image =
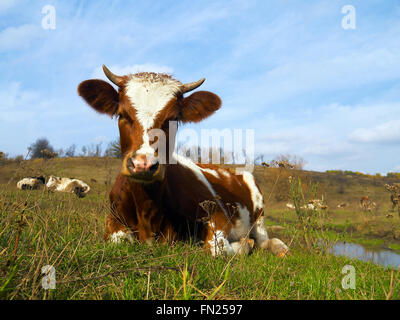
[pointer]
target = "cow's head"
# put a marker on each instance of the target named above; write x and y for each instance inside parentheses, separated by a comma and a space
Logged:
(145, 104)
(53, 182)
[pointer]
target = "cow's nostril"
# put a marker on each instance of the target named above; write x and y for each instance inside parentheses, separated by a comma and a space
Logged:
(154, 167)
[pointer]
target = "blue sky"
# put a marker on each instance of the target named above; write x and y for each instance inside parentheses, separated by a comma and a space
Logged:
(286, 69)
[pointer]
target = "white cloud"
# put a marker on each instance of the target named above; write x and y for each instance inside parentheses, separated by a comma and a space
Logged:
(14, 38)
(326, 136)
(383, 133)
(6, 4)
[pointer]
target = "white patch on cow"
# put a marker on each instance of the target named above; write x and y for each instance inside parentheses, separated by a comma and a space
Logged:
(148, 95)
(219, 244)
(210, 171)
(259, 231)
(186, 162)
(242, 225)
(224, 173)
(256, 195)
(117, 237)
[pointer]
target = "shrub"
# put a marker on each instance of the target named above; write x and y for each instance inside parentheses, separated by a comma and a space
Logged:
(41, 148)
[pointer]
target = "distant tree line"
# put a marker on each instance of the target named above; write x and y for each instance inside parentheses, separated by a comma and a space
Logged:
(42, 148)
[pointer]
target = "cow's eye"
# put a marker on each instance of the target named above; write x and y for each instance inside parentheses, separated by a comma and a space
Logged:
(120, 116)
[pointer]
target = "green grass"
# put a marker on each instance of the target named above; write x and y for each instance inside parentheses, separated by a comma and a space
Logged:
(67, 232)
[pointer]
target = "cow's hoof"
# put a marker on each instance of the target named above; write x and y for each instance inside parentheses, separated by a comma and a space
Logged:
(244, 246)
(150, 241)
(276, 247)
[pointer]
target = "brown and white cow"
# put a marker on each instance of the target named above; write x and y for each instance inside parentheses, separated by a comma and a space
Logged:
(151, 200)
(69, 185)
(31, 183)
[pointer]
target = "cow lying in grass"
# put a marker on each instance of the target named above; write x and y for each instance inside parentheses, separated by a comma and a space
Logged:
(69, 185)
(161, 200)
(31, 183)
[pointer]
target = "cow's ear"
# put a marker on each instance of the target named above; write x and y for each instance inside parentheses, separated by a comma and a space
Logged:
(198, 106)
(100, 95)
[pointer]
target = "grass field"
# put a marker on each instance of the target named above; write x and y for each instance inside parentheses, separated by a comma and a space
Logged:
(38, 228)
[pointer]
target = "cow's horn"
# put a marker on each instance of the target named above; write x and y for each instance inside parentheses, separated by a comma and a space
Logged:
(117, 80)
(192, 85)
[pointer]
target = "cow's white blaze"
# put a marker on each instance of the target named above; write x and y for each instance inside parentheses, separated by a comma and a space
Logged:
(148, 95)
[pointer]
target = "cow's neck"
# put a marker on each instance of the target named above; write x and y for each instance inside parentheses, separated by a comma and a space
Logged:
(154, 192)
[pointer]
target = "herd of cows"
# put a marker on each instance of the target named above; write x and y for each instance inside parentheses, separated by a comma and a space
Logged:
(70, 185)
(80, 188)
(365, 203)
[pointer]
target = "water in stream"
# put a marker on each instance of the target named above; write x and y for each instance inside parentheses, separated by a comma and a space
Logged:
(383, 257)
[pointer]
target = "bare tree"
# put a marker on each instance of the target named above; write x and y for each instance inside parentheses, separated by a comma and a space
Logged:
(84, 151)
(114, 149)
(98, 150)
(70, 152)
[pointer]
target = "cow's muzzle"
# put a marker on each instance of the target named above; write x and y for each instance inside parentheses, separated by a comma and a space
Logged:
(142, 168)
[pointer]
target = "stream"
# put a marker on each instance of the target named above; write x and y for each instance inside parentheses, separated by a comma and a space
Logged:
(383, 257)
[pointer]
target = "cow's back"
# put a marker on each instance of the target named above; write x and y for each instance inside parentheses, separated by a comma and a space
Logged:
(192, 184)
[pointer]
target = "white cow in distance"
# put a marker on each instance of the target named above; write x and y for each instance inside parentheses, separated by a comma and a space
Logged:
(69, 185)
(290, 206)
(307, 206)
(311, 205)
(31, 183)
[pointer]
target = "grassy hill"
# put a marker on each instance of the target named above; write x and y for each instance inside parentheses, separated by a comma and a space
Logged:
(38, 228)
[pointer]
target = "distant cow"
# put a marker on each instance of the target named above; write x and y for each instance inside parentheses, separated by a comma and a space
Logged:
(315, 204)
(290, 206)
(367, 204)
(364, 201)
(31, 183)
(311, 205)
(395, 200)
(69, 185)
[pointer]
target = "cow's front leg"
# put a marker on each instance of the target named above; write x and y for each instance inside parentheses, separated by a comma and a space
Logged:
(216, 233)
(116, 232)
(274, 245)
